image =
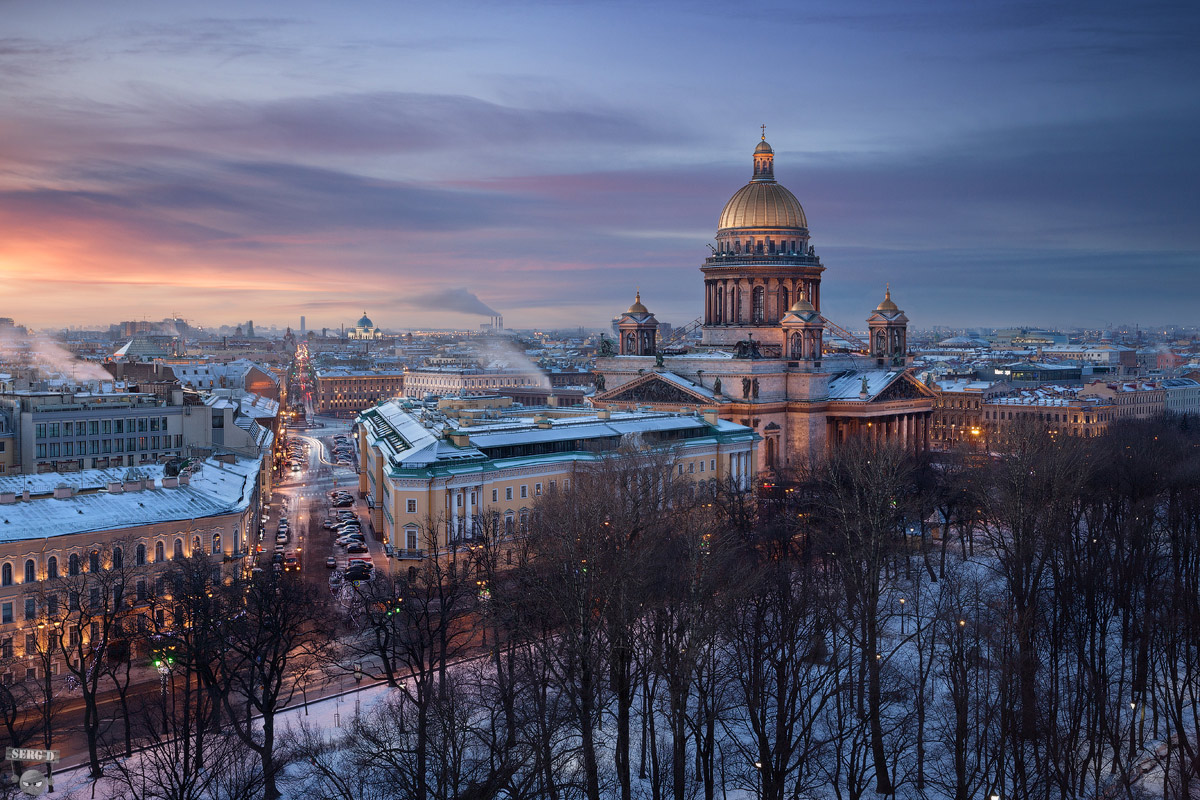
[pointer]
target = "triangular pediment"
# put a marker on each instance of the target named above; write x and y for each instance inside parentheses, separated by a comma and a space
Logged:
(654, 388)
(905, 387)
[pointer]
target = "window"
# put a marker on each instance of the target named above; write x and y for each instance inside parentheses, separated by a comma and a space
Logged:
(537, 489)
(6, 651)
(6, 574)
(52, 568)
(140, 555)
(93, 427)
(508, 493)
(73, 564)
(158, 552)
(702, 465)
(154, 423)
(410, 539)
(178, 549)
(691, 467)
(39, 451)
(94, 447)
(757, 303)
(80, 429)
(39, 430)
(411, 506)
(216, 544)
(495, 495)
(51, 605)
(106, 426)
(94, 597)
(30, 571)
(53, 430)
(94, 561)
(6, 612)
(118, 558)
(120, 426)
(30, 608)
(141, 591)
(524, 490)
(68, 448)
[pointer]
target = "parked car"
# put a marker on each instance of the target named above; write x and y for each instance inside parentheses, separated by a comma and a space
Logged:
(357, 548)
(342, 503)
(281, 538)
(331, 563)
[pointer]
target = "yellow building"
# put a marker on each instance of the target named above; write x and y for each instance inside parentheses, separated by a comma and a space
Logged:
(436, 473)
(56, 526)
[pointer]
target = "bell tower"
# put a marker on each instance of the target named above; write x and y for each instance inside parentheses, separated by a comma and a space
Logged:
(889, 333)
(803, 333)
(638, 330)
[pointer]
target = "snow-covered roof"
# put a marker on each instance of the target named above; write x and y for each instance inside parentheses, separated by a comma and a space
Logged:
(849, 385)
(215, 489)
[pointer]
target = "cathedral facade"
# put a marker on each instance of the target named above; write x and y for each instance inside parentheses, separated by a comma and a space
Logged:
(767, 358)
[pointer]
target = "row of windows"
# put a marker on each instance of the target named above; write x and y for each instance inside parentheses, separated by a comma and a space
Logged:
(75, 564)
(96, 427)
(691, 467)
(106, 446)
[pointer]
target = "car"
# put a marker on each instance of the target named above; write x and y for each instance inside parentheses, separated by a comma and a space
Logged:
(343, 503)
(357, 570)
(349, 530)
(281, 538)
(278, 557)
(349, 541)
(291, 563)
(331, 563)
(357, 548)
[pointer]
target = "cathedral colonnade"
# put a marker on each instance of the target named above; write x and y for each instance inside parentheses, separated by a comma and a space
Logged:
(907, 430)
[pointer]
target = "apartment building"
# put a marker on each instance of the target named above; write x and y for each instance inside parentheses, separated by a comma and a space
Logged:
(58, 526)
(344, 392)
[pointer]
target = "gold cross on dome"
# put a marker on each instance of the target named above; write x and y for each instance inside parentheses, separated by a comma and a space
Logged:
(764, 131)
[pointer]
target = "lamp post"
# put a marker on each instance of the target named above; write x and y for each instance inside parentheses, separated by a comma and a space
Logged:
(901, 616)
(164, 672)
(1132, 732)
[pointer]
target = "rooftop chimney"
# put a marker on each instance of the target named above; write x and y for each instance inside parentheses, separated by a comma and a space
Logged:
(63, 491)
(7, 498)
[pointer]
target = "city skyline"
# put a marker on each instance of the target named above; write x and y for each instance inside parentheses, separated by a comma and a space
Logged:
(1013, 164)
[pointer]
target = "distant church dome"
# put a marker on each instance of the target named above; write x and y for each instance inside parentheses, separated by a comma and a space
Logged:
(365, 321)
(763, 203)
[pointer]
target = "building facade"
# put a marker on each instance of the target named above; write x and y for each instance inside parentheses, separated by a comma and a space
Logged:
(59, 526)
(344, 392)
(958, 412)
(460, 381)
(436, 474)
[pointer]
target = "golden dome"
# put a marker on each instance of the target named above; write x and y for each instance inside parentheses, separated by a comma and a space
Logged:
(637, 307)
(801, 306)
(762, 204)
(887, 304)
(763, 147)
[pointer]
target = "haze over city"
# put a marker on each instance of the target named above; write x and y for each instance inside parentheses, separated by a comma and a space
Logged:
(1001, 163)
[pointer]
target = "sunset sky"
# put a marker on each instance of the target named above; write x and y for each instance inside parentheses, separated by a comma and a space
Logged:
(998, 163)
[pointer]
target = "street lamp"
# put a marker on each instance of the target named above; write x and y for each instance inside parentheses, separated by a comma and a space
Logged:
(901, 616)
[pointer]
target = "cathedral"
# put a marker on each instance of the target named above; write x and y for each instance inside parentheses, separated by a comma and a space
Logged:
(766, 357)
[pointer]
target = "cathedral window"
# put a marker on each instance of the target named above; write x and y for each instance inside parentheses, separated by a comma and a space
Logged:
(758, 297)
(784, 305)
(720, 303)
